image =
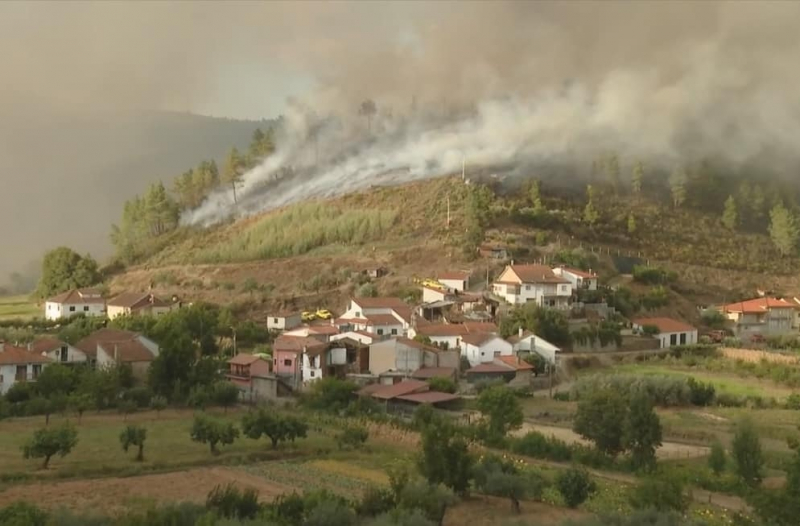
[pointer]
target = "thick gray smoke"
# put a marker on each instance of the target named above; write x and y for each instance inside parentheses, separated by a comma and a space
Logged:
(537, 83)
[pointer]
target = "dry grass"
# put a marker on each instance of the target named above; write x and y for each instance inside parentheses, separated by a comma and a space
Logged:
(18, 307)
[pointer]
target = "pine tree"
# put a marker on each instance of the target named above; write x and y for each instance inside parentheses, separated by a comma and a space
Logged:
(536, 197)
(631, 223)
(783, 229)
(637, 177)
(590, 213)
(677, 185)
(612, 171)
(730, 217)
(234, 166)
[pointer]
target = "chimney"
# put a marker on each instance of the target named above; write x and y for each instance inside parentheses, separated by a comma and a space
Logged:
(151, 299)
(520, 331)
(30, 346)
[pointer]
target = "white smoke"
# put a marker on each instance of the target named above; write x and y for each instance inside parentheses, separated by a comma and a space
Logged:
(709, 109)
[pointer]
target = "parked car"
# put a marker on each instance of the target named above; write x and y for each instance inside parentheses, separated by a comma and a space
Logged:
(308, 316)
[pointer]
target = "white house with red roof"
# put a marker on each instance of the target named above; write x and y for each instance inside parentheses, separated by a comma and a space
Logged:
(580, 279)
(450, 334)
(484, 347)
(670, 332)
(384, 317)
(89, 302)
(768, 316)
(457, 280)
(19, 365)
(520, 284)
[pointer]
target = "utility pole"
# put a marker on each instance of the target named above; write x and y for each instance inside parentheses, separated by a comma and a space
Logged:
(448, 211)
(463, 167)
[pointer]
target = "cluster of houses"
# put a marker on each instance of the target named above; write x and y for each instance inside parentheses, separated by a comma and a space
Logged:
(91, 303)
(102, 348)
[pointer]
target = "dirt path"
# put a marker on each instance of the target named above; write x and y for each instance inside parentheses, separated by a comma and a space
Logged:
(113, 494)
(668, 450)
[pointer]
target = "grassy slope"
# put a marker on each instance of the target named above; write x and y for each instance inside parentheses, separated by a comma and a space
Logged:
(16, 307)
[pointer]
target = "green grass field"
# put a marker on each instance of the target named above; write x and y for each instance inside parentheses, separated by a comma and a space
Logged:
(168, 445)
(18, 307)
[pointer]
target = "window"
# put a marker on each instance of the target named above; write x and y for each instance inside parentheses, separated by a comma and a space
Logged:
(683, 338)
(483, 353)
(86, 308)
(394, 331)
(63, 354)
(1, 378)
(673, 339)
(527, 287)
(287, 363)
(311, 373)
(358, 314)
(380, 332)
(274, 320)
(72, 308)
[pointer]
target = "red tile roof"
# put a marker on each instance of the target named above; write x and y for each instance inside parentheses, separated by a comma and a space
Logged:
(404, 313)
(323, 329)
(128, 351)
(578, 272)
(296, 344)
(758, 305)
(536, 274)
(665, 324)
(489, 368)
(45, 345)
(399, 389)
(136, 300)
(430, 397)
(79, 296)
(433, 372)
(457, 275)
(10, 355)
(380, 303)
(370, 389)
(517, 363)
(351, 321)
(243, 359)
(105, 336)
(516, 338)
(416, 345)
(478, 339)
(383, 319)
(456, 329)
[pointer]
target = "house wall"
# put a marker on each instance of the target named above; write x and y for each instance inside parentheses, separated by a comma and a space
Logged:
(542, 347)
(103, 358)
(260, 367)
(454, 284)
(407, 358)
(115, 311)
(55, 311)
(486, 352)
(286, 363)
(312, 368)
(430, 295)
(150, 344)
(666, 339)
(453, 342)
(450, 358)
(263, 388)
(9, 373)
(386, 330)
(353, 336)
(140, 369)
(283, 323)
(382, 356)
(74, 355)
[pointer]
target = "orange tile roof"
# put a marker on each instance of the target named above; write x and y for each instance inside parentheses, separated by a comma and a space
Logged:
(536, 274)
(478, 338)
(454, 276)
(416, 345)
(10, 355)
(243, 359)
(580, 273)
(429, 397)
(515, 362)
(45, 345)
(405, 387)
(129, 351)
(383, 319)
(79, 296)
(105, 336)
(489, 368)
(296, 343)
(456, 329)
(136, 300)
(758, 305)
(665, 324)
(380, 303)
(433, 372)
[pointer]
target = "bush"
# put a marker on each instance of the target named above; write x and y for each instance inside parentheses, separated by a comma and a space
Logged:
(575, 485)
(367, 290)
(141, 396)
(376, 501)
(330, 395)
(352, 437)
(663, 390)
(653, 275)
(700, 394)
(661, 493)
(537, 445)
(443, 385)
(230, 502)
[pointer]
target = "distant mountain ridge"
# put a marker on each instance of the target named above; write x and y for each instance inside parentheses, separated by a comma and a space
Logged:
(65, 173)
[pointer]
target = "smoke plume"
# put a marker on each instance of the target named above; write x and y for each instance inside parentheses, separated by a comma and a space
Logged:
(527, 84)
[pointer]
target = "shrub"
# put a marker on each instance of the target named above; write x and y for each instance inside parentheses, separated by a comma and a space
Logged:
(139, 395)
(663, 390)
(367, 290)
(700, 394)
(376, 501)
(661, 493)
(230, 502)
(444, 385)
(352, 437)
(575, 485)
(537, 445)
(23, 514)
(653, 275)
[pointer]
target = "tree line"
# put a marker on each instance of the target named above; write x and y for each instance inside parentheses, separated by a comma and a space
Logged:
(148, 218)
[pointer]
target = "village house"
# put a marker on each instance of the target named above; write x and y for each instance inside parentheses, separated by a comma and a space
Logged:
(283, 321)
(449, 335)
(458, 281)
(670, 332)
(579, 279)
(57, 351)
(525, 342)
(767, 316)
(406, 395)
(110, 347)
(380, 316)
(138, 304)
(323, 333)
(252, 375)
(511, 369)
(367, 338)
(484, 347)
(405, 356)
(88, 302)
(19, 365)
(287, 356)
(429, 373)
(538, 284)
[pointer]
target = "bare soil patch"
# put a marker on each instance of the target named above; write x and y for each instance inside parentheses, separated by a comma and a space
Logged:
(115, 494)
(482, 510)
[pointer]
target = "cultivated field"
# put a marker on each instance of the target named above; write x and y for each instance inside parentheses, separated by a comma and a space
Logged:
(18, 307)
